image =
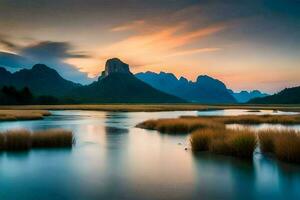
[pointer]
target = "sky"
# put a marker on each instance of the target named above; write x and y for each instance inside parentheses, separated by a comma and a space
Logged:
(247, 44)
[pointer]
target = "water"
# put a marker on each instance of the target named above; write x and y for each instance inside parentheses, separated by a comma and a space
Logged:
(114, 160)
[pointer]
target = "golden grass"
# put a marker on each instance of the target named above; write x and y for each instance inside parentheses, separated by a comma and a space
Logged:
(152, 107)
(180, 125)
(20, 140)
(188, 124)
(52, 138)
(237, 143)
(266, 140)
(10, 115)
(287, 146)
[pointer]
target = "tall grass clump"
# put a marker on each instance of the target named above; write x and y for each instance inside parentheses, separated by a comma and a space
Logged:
(237, 143)
(287, 146)
(266, 140)
(2, 141)
(17, 140)
(20, 140)
(241, 142)
(52, 138)
(202, 138)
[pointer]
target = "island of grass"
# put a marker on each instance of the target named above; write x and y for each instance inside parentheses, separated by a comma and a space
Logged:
(210, 134)
(22, 140)
(13, 114)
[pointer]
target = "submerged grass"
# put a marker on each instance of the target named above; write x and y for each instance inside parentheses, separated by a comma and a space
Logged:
(20, 140)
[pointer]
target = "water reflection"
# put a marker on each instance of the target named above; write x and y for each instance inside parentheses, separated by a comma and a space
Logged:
(114, 160)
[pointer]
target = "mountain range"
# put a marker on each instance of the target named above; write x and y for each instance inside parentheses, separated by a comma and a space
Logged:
(286, 96)
(117, 84)
(245, 96)
(204, 90)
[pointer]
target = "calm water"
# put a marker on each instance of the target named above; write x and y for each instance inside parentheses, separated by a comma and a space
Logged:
(114, 160)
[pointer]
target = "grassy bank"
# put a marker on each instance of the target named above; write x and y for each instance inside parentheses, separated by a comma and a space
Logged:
(153, 107)
(20, 140)
(188, 124)
(10, 115)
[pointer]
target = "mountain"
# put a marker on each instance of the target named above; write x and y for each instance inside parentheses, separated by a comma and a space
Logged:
(204, 90)
(286, 96)
(41, 80)
(245, 96)
(118, 85)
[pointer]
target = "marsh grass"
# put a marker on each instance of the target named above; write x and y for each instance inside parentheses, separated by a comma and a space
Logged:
(17, 140)
(21, 140)
(52, 138)
(266, 140)
(180, 125)
(287, 146)
(237, 143)
(11, 115)
(187, 124)
(241, 143)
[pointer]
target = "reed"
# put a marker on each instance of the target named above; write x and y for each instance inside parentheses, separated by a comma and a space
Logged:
(238, 143)
(17, 140)
(52, 138)
(241, 142)
(266, 140)
(187, 124)
(20, 140)
(201, 139)
(179, 125)
(287, 146)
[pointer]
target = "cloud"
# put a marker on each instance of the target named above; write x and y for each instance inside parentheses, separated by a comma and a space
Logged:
(150, 44)
(51, 50)
(128, 26)
(6, 43)
(50, 53)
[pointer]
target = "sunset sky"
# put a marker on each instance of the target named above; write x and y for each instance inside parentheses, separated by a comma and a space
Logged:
(253, 44)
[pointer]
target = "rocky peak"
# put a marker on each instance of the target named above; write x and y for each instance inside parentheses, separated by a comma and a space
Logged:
(115, 65)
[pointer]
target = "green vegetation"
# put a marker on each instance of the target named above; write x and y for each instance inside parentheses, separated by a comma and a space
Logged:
(11, 115)
(20, 140)
(286, 96)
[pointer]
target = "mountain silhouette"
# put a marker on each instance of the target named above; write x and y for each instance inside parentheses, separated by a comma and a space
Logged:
(245, 96)
(204, 90)
(41, 80)
(286, 96)
(118, 85)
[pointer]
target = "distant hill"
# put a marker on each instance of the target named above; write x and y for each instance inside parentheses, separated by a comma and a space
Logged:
(286, 96)
(204, 90)
(245, 96)
(118, 85)
(41, 80)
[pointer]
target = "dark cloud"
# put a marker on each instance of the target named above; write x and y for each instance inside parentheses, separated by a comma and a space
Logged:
(7, 43)
(50, 53)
